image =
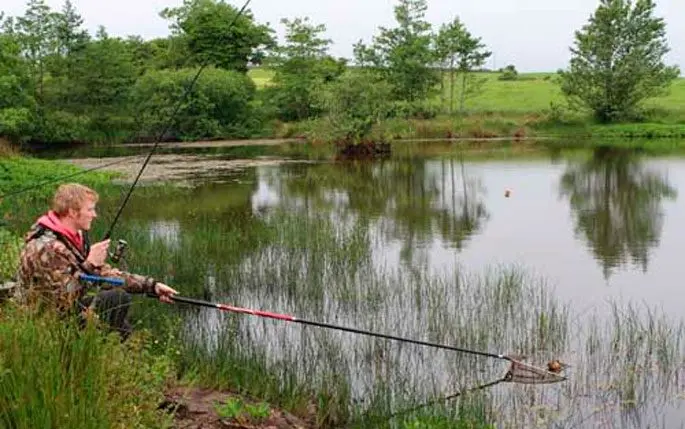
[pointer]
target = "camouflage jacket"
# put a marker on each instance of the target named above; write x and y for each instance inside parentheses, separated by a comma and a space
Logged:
(50, 266)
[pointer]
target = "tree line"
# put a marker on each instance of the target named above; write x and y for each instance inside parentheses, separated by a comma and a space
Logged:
(58, 83)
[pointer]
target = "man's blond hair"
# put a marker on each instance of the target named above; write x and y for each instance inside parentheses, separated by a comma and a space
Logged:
(72, 196)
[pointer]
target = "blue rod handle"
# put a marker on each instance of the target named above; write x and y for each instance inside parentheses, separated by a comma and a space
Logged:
(97, 279)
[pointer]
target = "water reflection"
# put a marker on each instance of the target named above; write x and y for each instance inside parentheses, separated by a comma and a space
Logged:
(616, 203)
(411, 201)
(169, 232)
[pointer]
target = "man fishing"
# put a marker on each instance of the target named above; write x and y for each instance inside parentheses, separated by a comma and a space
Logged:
(57, 252)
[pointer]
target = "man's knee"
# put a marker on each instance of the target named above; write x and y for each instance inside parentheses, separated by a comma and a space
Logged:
(112, 307)
(115, 299)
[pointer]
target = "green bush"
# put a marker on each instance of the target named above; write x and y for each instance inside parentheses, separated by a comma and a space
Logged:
(16, 123)
(415, 109)
(61, 126)
(219, 105)
(509, 73)
(355, 103)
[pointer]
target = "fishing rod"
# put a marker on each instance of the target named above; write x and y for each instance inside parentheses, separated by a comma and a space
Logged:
(289, 318)
(172, 118)
(378, 419)
(518, 372)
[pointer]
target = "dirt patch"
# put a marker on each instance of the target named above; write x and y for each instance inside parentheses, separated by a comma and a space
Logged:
(197, 408)
(7, 149)
(175, 167)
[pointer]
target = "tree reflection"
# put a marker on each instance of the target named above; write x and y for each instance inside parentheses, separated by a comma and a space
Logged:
(617, 206)
(412, 200)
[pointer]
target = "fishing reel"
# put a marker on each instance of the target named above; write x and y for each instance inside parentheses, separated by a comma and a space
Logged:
(119, 252)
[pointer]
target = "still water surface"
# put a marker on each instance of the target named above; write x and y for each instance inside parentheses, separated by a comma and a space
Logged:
(594, 229)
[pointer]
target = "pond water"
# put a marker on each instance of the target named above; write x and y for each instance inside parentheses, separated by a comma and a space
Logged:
(595, 230)
(393, 246)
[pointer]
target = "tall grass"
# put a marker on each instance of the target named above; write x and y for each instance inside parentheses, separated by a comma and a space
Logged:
(54, 375)
(323, 266)
(11, 246)
(320, 269)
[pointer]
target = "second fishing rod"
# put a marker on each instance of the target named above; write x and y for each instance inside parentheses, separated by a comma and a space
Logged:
(122, 244)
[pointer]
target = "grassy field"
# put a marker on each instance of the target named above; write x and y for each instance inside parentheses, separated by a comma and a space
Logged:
(531, 93)
(531, 106)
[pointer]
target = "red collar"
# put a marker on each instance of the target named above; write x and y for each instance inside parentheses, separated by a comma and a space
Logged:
(54, 223)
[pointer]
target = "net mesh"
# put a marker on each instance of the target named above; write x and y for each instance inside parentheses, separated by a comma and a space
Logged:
(520, 372)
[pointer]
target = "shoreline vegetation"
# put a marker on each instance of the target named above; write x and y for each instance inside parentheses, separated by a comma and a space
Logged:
(522, 110)
(211, 80)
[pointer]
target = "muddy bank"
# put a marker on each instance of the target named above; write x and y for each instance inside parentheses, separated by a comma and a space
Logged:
(276, 142)
(180, 168)
(214, 143)
(199, 409)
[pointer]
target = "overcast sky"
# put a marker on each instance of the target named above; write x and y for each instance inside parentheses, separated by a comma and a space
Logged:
(534, 35)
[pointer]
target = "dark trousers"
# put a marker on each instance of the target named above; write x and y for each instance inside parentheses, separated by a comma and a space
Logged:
(112, 307)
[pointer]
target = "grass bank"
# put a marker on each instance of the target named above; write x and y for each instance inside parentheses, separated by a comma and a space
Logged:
(496, 125)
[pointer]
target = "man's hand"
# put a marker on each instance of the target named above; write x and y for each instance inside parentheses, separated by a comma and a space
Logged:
(164, 292)
(98, 253)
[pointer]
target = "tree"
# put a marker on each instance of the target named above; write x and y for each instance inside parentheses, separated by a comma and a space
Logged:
(472, 56)
(206, 25)
(446, 45)
(69, 35)
(16, 104)
(13, 72)
(462, 53)
(403, 54)
(102, 88)
(36, 36)
(355, 102)
(70, 42)
(303, 67)
(161, 53)
(617, 60)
